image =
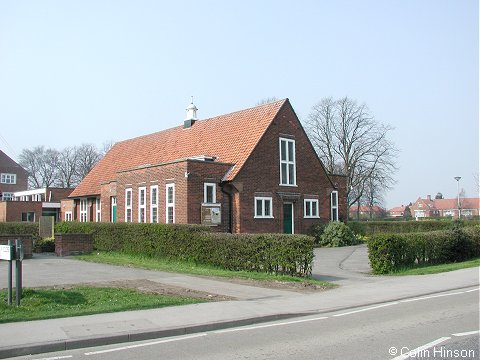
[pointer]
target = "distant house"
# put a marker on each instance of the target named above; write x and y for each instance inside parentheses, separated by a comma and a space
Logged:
(367, 212)
(30, 205)
(12, 177)
(398, 212)
(253, 170)
(445, 207)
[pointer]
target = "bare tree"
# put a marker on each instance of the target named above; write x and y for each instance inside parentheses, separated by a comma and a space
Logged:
(349, 141)
(67, 169)
(267, 100)
(106, 146)
(374, 190)
(49, 165)
(30, 161)
(42, 166)
(88, 156)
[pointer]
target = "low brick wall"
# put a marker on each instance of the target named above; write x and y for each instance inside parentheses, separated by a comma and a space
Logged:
(27, 243)
(73, 244)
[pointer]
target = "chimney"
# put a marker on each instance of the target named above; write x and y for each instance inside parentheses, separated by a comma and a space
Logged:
(429, 197)
(191, 115)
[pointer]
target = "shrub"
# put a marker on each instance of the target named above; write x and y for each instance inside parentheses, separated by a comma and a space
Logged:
(19, 228)
(390, 252)
(396, 227)
(338, 234)
(317, 231)
(46, 245)
(275, 253)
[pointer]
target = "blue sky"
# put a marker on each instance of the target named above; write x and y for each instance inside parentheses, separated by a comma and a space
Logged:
(96, 71)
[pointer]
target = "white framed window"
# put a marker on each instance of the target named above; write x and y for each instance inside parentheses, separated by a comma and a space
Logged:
(68, 216)
(209, 193)
(98, 210)
(7, 196)
(154, 204)
(310, 208)
(334, 205)
(83, 210)
(287, 162)
(170, 204)
(263, 207)
(128, 205)
(8, 178)
(142, 204)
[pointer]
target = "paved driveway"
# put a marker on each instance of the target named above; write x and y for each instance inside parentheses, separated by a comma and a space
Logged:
(50, 270)
(343, 265)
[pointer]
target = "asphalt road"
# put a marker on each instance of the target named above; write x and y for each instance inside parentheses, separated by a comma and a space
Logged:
(429, 327)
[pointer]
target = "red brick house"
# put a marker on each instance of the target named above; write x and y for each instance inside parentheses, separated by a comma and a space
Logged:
(12, 177)
(367, 212)
(253, 170)
(445, 207)
(398, 212)
(30, 205)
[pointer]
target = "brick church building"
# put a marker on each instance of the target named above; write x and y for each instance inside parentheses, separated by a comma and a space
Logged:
(249, 171)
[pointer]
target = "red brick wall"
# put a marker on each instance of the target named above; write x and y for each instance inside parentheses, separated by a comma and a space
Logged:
(108, 191)
(12, 210)
(27, 243)
(57, 194)
(73, 244)
(260, 176)
(67, 205)
(8, 166)
(199, 173)
(340, 182)
(155, 175)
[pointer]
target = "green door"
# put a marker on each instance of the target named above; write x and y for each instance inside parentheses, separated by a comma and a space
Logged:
(288, 218)
(114, 209)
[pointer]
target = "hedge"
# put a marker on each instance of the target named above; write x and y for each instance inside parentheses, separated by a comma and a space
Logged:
(273, 253)
(400, 227)
(19, 228)
(391, 252)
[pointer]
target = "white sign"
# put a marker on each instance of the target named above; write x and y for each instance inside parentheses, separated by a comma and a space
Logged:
(5, 252)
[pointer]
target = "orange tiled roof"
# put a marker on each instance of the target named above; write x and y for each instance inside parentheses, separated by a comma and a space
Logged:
(449, 204)
(230, 138)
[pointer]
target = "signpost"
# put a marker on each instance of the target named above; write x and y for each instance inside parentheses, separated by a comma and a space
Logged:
(12, 252)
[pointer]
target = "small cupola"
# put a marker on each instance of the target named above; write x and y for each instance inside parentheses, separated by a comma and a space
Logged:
(191, 115)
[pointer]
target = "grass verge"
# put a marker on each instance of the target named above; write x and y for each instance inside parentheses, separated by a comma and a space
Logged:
(56, 303)
(184, 267)
(435, 269)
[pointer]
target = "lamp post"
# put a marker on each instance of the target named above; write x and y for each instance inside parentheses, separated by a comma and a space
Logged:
(458, 195)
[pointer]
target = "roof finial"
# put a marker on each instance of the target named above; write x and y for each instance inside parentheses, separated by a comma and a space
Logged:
(191, 115)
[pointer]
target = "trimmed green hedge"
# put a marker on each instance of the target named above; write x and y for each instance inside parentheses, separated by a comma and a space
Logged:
(274, 253)
(19, 228)
(391, 252)
(400, 227)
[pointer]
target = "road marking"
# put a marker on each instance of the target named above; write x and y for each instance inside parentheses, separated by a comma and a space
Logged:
(468, 291)
(188, 337)
(270, 325)
(432, 297)
(367, 309)
(467, 333)
(420, 349)
(57, 357)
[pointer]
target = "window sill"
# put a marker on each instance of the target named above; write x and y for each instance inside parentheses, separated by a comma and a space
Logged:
(263, 217)
(288, 185)
(311, 217)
